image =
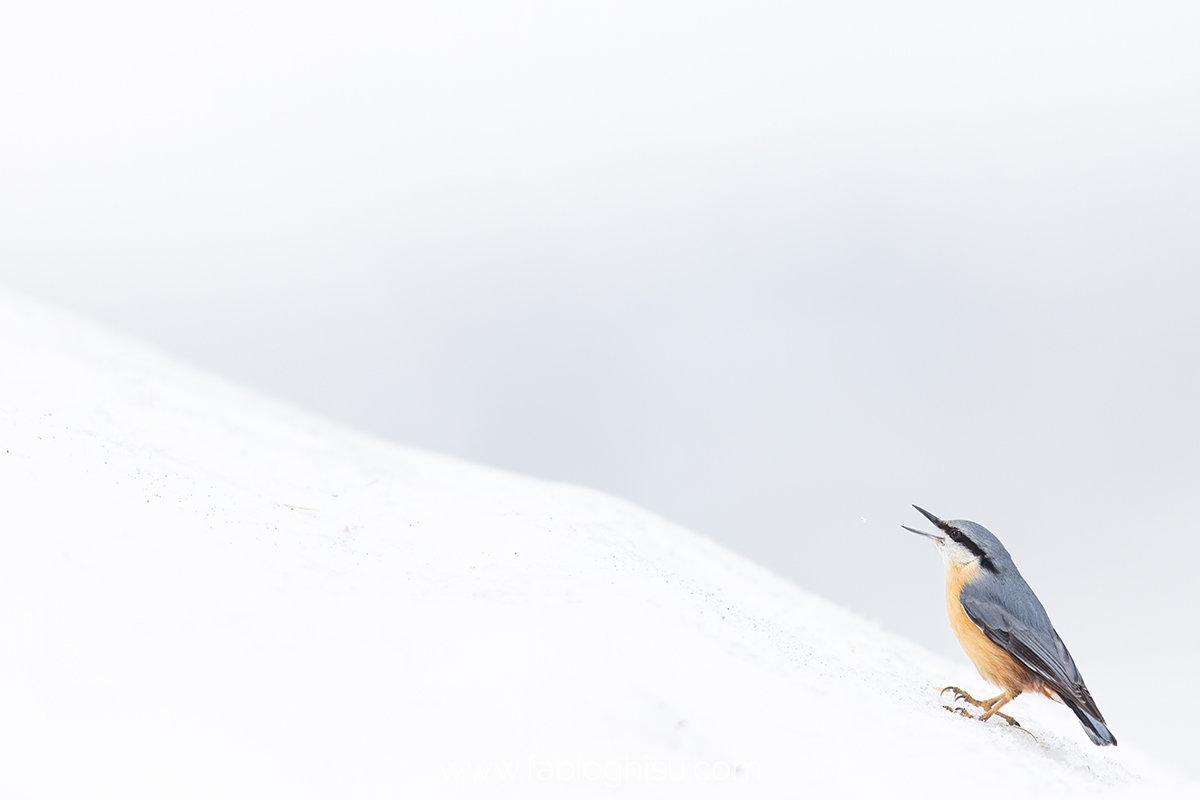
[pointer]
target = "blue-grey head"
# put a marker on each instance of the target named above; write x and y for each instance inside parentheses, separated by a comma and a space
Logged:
(964, 542)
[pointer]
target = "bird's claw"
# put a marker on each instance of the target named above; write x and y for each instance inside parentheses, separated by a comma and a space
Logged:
(959, 694)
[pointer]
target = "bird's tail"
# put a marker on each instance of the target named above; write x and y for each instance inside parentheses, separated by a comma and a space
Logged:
(1096, 730)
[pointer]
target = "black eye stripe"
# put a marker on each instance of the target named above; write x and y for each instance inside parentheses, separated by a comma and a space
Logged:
(976, 550)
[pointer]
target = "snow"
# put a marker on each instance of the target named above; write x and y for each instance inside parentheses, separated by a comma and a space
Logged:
(205, 593)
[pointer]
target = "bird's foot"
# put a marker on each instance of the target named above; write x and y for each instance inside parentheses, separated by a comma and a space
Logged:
(990, 709)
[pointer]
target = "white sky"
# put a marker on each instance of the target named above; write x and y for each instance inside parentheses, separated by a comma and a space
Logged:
(772, 270)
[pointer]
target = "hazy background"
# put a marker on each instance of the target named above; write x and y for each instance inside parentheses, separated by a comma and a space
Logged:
(774, 270)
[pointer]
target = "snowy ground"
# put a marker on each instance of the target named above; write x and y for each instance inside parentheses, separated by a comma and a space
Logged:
(207, 594)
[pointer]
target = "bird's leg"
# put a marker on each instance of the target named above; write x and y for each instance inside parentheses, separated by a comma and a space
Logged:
(992, 707)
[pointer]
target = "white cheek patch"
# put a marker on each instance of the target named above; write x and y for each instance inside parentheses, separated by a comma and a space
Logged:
(955, 553)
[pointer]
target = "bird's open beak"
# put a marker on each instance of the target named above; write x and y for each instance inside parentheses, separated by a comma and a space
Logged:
(931, 518)
(938, 539)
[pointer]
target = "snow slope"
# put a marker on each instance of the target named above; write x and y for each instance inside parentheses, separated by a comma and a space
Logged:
(205, 593)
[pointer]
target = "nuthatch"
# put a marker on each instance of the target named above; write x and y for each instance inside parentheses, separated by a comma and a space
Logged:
(1003, 628)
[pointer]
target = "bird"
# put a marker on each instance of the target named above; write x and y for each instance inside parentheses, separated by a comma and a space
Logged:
(1004, 629)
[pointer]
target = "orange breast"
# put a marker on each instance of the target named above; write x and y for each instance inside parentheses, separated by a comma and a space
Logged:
(995, 665)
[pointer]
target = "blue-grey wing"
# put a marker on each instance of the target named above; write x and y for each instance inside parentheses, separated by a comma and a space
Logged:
(1017, 623)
